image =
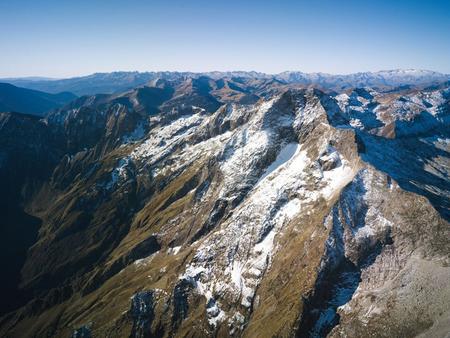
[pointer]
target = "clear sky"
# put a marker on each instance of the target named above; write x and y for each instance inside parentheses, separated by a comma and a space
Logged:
(61, 38)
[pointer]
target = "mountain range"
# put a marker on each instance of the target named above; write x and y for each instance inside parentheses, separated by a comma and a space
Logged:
(234, 204)
(115, 82)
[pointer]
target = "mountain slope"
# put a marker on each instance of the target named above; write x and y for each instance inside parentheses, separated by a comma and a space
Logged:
(29, 101)
(173, 210)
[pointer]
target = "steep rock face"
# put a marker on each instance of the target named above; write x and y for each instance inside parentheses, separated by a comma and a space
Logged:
(374, 243)
(393, 297)
(270, 218)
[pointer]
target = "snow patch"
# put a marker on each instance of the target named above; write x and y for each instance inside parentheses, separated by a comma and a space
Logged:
(287, 153)
(337, 178)
(174, 250)
(119, 173)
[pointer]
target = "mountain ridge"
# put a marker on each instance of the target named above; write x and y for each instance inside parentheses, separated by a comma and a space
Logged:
(122, 80)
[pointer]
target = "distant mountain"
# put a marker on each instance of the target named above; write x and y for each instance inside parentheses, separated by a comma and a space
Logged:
(29, 78)
(115, 82)
(98, 83)
(30, 101)
(381, 79)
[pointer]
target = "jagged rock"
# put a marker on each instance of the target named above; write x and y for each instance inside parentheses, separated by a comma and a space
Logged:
(142, 313)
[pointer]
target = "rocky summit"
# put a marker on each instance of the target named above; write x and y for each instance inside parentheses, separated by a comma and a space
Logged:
(225, 205)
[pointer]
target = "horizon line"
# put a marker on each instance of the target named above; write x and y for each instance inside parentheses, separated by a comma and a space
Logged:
(51, 78)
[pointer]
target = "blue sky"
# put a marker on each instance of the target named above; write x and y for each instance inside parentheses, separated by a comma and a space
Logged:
(68, 38)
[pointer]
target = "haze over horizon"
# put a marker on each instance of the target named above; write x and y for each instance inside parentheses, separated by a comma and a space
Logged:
(38, 77)
(63, 39)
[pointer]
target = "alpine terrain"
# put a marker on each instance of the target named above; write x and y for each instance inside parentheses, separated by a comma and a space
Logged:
(229, 205)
